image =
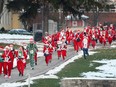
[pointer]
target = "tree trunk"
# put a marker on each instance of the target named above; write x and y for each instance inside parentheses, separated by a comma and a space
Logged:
(1, 6)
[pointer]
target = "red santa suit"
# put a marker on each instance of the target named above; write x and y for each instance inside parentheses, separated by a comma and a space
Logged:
(59, 48)
(78, 41)
(100, 39)
(93, 41)
(21, 61)
(70, 36)
(51, 52)
(63, 50)
(75, 44)
(110, 38)
(12, 55)
(7, 64)
(46, 52)
(104, 40)
(1, 63)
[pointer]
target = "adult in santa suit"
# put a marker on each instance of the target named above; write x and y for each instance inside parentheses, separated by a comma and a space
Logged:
(46, 37)
(51, 52)
(46, 52)
(104, 40)
(110, 38)
(78, 40)
(63, 49)
(31, 49)
(1, 64)
(93, 41)
(12, 53)
(70, 37)
(1, 61)
(21, 60)
(75, 44)
(85, 46)
(7, 64)
(59, 48)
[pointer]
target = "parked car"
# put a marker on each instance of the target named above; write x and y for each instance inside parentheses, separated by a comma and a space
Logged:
(19, 31)
(38, 35)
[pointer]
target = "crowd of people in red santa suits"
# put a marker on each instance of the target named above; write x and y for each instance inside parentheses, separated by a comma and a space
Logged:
(59, 41)
(8, 55)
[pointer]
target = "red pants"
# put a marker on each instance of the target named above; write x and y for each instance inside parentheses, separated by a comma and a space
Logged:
(93, 43)
(47, 58)
(7, 66)
(35, 57)
(63, 52)
(12, 61)
(59, 53)
(20, 66)
(79, 45)
(75, 45)
(1, 66)
(50, 57)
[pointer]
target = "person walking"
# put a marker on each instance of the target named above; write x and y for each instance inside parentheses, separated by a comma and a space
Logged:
(31, 50)
(85, 46)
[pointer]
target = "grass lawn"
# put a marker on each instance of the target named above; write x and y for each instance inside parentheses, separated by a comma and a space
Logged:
(76, 68)
(46, 83)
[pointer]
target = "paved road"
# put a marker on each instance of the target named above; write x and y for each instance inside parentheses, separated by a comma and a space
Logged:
(41, 68)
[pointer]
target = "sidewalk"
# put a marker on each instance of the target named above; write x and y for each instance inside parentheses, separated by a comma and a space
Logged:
(41, 68)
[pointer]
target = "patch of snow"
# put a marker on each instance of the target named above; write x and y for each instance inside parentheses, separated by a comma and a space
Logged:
(60, 67)
(108, 69)
(19, 84)
(113, 46)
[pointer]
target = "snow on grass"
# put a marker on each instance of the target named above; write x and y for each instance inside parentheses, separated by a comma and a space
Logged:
(113, 46)
(59, 68)
(107, 70)
(26, 82)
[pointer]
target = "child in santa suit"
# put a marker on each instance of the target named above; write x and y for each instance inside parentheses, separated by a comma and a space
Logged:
(7, 64)
(46, 52)
(63, 49)
(21, 60)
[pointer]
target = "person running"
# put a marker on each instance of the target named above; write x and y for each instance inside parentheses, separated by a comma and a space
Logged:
(32, 49)
(7, 64)
(12, 54)
(21, 60)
